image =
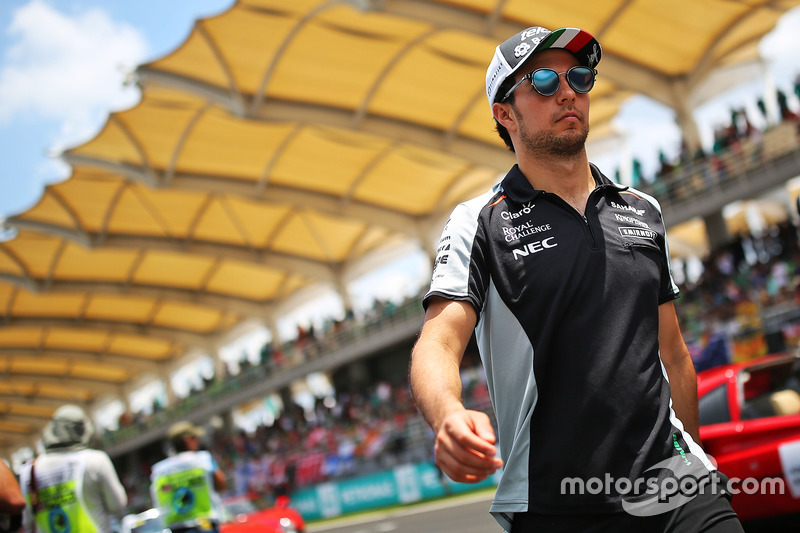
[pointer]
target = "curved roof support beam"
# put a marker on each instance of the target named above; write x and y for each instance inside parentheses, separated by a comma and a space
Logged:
(635, 78)
(220, 302)
(26, 279)
(323, 245)
(357, 242)
(180, 337)
(707, 63)
(361, 112)
(495, 16)
(323, 203)
(96, 386)
(158, 305)
(20, 282)
(135, 264)
(208, 276)
(235, 94)
(279, 261)
(41, 401)
(74, 235)
(612, 19)
(53, 264)
(371, 164)
(206, 91)
(155, 213)
(440, 204)
(169, 173)
(149, 173)
(123, 169)
(112, 207)
(237, 223)
(230, 304)
(55, 195)
(446, 16)
(258, 97)
(198, 216)
(74, 356)
(263, 181)
(452, 133)
(31, 418)
(386, 127)
(10, 307)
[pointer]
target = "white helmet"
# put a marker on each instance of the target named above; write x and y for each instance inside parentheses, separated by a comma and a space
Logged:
(69, 427)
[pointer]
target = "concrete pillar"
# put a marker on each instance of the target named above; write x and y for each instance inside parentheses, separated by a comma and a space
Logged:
(123, 395)
(227, 422)
(220, 368)
(166, 379)
(716, 230)
(344, 294)
(690, 133)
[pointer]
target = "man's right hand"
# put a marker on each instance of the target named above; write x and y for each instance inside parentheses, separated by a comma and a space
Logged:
(465, 449)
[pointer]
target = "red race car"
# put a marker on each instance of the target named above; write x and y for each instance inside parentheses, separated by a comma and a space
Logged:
(750, 424)
(242, 516)
(246, 517)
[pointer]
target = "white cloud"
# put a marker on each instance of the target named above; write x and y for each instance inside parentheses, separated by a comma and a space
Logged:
(780, 47)
(68, 68)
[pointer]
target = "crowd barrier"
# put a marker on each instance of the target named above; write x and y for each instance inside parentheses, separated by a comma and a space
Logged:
(401, 485)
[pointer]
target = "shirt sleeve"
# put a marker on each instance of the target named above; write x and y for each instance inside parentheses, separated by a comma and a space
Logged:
(460, 271)
(113, 493)
(24, 484)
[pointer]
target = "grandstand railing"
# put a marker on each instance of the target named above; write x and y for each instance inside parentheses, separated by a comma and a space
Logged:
(331, 351)
(696, 189)
(746, 170)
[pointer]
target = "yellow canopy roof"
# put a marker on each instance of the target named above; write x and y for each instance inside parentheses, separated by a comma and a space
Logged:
(284, 145)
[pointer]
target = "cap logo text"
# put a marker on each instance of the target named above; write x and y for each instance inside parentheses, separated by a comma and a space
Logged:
(521, 49)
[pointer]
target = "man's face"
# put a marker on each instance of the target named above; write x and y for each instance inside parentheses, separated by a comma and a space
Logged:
(192, 442)
(555, 125)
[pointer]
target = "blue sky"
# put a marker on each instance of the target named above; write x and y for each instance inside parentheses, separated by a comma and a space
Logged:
(63, 66)
(64, 63)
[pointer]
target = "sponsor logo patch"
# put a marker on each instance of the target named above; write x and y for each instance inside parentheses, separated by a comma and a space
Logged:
(534, 247)
(641, 233)
(625, 207)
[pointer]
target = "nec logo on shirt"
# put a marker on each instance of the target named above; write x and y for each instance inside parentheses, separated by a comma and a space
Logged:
(534, 247)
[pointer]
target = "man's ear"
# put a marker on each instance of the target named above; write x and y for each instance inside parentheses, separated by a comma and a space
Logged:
(502, 113)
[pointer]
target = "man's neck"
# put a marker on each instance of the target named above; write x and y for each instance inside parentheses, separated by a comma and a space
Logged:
(570, 178)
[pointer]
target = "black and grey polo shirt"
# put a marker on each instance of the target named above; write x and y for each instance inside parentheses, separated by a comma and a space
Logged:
(567, 330)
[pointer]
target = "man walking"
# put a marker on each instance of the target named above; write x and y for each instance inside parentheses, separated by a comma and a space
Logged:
(564, 277)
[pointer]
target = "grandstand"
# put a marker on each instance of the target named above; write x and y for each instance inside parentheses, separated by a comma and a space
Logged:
(236, 186)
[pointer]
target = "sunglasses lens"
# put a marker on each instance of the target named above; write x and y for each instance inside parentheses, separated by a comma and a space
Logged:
(581, 79)
(545, 81)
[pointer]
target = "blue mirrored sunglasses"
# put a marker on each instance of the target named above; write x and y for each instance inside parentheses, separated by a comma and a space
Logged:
(546, 80)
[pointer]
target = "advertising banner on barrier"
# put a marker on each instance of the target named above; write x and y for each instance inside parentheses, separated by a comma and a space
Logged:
(404, 484)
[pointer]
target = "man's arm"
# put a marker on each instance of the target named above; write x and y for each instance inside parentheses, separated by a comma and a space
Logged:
(113, 493)
(680, 369)
(220, 480)
(11, 500)
(465, 439)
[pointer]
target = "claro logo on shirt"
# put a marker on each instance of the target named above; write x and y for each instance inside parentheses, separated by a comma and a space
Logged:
(526, 210)
(534, 247)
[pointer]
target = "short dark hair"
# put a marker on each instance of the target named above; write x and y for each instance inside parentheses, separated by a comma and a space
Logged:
(499, 128)
(178, 442)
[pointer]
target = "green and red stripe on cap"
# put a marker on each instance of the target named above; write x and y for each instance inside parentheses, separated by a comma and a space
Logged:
(572, 39)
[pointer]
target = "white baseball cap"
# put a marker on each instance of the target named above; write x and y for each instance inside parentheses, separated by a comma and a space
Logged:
(512, 54)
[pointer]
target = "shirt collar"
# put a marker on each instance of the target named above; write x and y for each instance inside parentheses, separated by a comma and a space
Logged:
(519, 189)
